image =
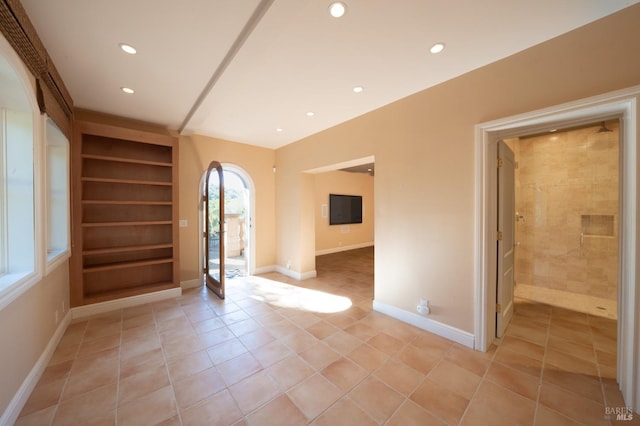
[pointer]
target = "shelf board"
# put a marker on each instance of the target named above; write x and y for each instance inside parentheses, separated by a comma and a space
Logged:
(125, 160)
(123, 265)
(132, 223)
(128, 203)
(127, 292)
(127, 181)
(127, 249)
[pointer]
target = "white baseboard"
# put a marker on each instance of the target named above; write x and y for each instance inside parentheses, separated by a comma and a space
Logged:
(191, 283)
(264, 269)
(125, 302)
(343, 248)
(21, 397)
(432, 326)
(300, 276)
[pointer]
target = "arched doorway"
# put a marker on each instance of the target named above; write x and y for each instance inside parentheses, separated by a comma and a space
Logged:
(238, 238)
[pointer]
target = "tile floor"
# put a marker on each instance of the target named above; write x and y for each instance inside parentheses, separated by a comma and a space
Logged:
(275, 354)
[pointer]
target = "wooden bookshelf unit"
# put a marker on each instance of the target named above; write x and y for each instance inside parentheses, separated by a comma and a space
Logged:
(125, 213)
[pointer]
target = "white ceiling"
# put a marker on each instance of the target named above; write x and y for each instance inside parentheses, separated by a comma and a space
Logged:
(295, 57)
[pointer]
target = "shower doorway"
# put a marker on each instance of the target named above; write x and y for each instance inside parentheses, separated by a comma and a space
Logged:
(567, 218)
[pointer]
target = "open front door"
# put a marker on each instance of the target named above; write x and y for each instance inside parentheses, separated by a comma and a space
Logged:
(214, 229)
(506, 237)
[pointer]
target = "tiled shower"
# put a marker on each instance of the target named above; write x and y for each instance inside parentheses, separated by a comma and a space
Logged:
(567, 202)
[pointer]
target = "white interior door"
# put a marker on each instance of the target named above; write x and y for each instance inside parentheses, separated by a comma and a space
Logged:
(505, 237)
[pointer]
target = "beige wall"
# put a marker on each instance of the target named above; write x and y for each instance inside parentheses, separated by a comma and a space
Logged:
(26, 326)
(562, 180)
(334, 238)
(195, 153)
(425, 169)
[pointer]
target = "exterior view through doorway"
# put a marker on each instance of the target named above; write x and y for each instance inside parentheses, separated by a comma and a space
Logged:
(226, 225)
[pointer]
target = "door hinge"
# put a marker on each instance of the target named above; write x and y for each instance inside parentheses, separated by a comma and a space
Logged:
(498, 308)
(499, 236)
(204, 234)
(204, 198)
(499, 162)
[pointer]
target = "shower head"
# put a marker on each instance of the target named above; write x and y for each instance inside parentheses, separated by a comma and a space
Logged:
(603, 129)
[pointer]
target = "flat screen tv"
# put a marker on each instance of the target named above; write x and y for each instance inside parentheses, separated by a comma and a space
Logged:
(345, 209)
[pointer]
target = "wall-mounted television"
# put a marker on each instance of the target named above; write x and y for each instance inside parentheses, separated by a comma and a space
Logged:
(345, 209)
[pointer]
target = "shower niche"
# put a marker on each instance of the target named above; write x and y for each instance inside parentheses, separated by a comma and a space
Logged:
(598, 225)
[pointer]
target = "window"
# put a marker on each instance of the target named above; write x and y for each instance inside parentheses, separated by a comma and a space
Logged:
(57, 195)
(17, 213)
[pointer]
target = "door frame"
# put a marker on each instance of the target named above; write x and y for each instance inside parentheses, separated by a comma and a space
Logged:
(622, 104)
(251, 265)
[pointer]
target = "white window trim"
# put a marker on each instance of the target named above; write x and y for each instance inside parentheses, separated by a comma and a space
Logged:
(12, 286)
(55, 258)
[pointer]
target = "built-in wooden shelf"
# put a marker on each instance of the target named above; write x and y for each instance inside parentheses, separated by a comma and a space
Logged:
(125, 213)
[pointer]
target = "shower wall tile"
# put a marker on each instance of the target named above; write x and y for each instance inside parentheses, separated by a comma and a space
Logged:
(561, 177)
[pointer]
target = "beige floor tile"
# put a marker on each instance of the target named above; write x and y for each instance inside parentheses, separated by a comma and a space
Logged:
(44, 395)
(344, 412)
(254, 391)
(570, 363)
(314, 395)
(369, 363)
(256, 338)
(584, 385)
(226, 351)
(271, 353)
(299, 341)
(319, 356)
(516, 381)
(454, 378)
(582, 351)
(321, 329)
(368, 357)
(92, 372)
(193, 389)
(218, 409)
(37, 418)
(399, 376)
(411, 414)
(238, 368)
(548, 417)
(134, 364)
(344, 373)
(343, 342)
(474, 361)
(500, 405)
(385, 343)
(524, 347)
(152, 408)
(279, 412)
(442, 403)
(377, 399)
(86, 407)
(577, 408)
(417, 359)
(519, 362)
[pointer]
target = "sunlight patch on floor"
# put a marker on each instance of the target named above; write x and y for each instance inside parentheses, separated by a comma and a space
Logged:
(288, 296)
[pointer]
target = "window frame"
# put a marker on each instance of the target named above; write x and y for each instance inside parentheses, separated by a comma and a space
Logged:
(54, 138)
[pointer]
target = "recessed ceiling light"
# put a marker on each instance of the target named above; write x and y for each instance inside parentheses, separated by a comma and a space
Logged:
(128, 90)
(437, 48)
(128, 48)
(311, 114)
(358, 89)
(553, 130)
(278, 129)
(337, 9)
